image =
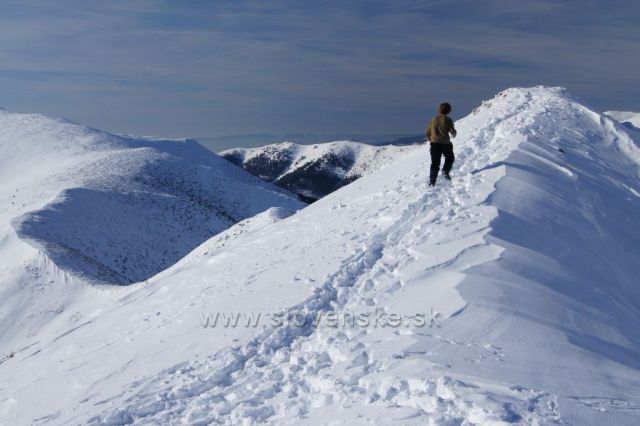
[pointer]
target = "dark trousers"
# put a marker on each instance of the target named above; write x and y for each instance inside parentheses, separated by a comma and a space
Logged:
(437, 151)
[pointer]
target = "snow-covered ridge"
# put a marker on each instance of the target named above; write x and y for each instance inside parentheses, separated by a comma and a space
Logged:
(530, 257)
(118, 209)
(313, 171)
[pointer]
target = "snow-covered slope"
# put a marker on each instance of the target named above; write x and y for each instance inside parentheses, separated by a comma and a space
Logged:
(507, 296)
(82, 206)
(118, 209)
(626, 117)
(314, 171)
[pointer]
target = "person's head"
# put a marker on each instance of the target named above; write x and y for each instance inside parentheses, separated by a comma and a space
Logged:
(445, 108)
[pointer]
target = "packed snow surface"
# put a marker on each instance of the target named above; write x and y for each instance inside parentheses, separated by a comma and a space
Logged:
(508, 295)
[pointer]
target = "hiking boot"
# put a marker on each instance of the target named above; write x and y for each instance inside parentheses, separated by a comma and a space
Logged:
(432, 183)
(447, 176)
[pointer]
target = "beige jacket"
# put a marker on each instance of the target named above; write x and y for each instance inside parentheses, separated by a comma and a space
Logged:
(439, 129)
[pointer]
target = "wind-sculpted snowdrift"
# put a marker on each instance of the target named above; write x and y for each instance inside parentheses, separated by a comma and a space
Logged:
(529, 260)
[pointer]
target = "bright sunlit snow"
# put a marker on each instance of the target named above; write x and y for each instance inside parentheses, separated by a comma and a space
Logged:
(524, 267)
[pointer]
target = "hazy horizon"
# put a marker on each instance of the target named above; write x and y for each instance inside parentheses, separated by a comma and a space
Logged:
(209, 69)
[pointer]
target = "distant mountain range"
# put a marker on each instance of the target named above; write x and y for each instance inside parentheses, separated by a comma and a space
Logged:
(313, 171)
(222, 143)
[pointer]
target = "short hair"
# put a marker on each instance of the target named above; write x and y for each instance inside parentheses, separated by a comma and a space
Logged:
(445, 108)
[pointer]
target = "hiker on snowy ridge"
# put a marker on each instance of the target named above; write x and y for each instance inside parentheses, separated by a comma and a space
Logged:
(438, 131)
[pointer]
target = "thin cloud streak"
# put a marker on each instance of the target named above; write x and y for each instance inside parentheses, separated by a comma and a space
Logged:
(213, 68)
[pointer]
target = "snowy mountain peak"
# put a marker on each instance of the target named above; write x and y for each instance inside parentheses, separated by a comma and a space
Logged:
(117, 209)
(512, 289)
(25, 135)
(313, 171)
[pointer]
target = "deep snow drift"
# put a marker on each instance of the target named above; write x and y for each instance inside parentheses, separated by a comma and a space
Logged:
(314, 171)
(525, 268)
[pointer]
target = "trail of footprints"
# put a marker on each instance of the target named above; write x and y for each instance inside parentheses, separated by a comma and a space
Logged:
(287, 375)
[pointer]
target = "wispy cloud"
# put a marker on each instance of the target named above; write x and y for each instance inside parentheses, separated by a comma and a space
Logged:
(201, 67)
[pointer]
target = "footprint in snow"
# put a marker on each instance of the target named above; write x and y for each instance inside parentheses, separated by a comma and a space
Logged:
(604, 404)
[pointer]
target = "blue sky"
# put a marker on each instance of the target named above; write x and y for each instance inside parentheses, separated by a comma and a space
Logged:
(210, 68)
